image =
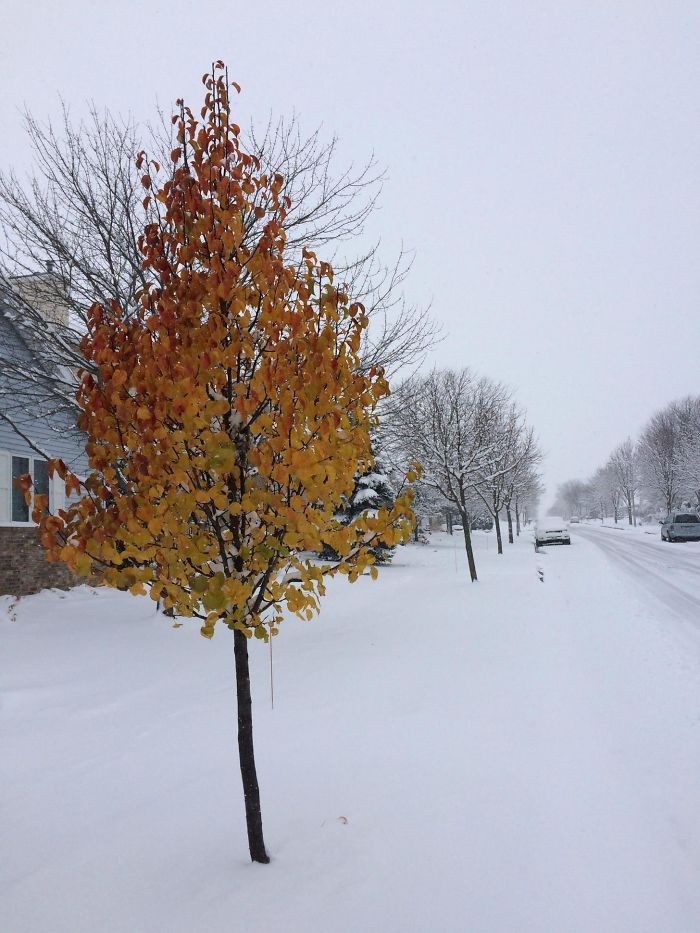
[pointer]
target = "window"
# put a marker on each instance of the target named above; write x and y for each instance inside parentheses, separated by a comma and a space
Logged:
(13, 508)
(687, 519)
(20, 509)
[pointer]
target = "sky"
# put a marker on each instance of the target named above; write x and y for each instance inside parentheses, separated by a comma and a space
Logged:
(542, 159)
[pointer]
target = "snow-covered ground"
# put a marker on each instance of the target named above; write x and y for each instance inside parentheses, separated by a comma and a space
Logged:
(505, 757)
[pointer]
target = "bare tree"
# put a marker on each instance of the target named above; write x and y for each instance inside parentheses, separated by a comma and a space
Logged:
(574, 497)
(527, 498)
(624, 467)
(70, 238)
(446, 420)
(522, 478)
(506, 433)
(687, 412)
(606, 491)
(659, 455)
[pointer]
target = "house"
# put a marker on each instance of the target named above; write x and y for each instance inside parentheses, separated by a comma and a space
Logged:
(35, 424)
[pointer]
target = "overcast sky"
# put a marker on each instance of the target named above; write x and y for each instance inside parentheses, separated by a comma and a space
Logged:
(543, 161)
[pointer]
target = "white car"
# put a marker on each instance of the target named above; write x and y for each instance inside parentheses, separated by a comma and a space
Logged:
(552, 530)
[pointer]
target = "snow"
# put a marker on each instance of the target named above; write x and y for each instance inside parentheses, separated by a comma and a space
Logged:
(373, 480)
(364, 494)
(504, 756)
(552, 523)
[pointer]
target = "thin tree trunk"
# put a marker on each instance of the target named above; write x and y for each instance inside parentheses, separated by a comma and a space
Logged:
(629, 510)
(517, 518)
(510, 524)
(498, 532)
(246, 754)
(470, 549)
(449, 521)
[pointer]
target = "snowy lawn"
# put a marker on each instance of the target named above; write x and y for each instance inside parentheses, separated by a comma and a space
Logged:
(502, 757)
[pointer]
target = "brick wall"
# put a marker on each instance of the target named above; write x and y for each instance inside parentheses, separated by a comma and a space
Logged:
(23, 565)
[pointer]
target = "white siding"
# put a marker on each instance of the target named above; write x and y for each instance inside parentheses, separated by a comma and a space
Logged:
(58, 494)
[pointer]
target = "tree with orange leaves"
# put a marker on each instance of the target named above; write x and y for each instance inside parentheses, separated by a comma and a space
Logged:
(226, 418)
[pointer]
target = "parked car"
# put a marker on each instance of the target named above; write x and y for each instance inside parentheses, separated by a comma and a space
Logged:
(681, 526)
(574, 520)
(551, 531)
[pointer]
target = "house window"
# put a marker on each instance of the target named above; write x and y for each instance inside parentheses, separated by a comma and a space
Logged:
(20, 509)
(38, 470)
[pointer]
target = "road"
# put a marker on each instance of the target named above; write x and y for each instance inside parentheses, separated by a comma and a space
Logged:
(669, 572)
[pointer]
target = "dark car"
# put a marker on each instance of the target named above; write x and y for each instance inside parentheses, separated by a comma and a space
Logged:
(681, 526)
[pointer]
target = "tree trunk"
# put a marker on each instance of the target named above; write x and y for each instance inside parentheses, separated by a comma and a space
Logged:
(510, 524)
(246, 754)
(448, 515)
(629, 511)
(517, 518)
(470, 549)
(499, 539)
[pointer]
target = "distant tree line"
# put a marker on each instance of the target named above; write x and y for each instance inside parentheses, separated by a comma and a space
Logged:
(644, 478)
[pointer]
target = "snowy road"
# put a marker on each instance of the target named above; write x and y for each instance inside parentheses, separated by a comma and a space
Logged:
(669, 572)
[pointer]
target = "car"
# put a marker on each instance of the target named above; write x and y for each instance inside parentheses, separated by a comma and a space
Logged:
(574, 520)
(551, 531)
(681, 526)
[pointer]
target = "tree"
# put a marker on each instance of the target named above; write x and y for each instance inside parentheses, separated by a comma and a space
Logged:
(521, 479)
(606, 491)
(624, 465)
(529, 493)
(226, 414)
(73, 227)
(687, 412)
(445, 420)
(373, 491)
(426, 503)
(572, 498)
(659, 454)
(514, 450)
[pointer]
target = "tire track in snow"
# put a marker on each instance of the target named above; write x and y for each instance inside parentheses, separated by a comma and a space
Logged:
(673, 555)
(649, 569)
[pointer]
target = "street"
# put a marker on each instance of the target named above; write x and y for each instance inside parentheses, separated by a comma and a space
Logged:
(669, 572)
